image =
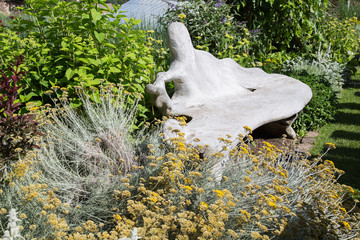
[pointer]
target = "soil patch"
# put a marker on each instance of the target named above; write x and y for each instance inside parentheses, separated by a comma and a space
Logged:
(302, 145)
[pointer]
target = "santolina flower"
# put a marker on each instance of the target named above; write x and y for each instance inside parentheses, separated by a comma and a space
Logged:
(330, 145)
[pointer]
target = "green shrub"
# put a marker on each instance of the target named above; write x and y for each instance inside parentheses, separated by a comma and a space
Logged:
(325, 77)
(213, 28)
(284, 25)
(342, 36)
(301, 27)
(322, 68)
(68, 43)
(321, 108)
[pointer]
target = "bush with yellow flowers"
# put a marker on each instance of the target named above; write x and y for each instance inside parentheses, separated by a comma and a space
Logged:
(95, 178)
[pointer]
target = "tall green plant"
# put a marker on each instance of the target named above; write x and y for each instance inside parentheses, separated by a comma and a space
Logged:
(69, 42)
(286, 25)
(213, 28)
(348, 8)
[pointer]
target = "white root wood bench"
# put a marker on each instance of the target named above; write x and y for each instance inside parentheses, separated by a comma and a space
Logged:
(220, 97)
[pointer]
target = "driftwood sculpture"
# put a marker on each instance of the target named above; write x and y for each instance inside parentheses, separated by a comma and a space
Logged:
(220, 97)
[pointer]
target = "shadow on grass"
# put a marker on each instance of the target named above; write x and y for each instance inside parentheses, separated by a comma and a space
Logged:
(347, 118)
(347, 159)
(350, 106)
(340, 134)
(346, 137)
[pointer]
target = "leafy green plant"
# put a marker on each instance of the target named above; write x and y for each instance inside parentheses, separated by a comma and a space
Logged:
(296, 21)
(321, 108)
(69, 42)
(322, 67)
(16, 131)
(213, 28)
(342, 36)
(325, 77)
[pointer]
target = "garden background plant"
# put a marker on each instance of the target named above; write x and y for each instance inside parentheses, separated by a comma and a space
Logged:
(16, 131)
(66, 43)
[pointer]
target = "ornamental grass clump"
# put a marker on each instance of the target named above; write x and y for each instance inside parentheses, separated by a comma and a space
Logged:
(96, 178)
(87, 152)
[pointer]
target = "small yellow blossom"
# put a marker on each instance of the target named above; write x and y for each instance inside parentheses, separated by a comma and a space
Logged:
(200, 190)
(117, 217)
(3, 211)
(346, 225)
(182, 16)
(255, 235)
(188, 189)
(18, 150)
(247, 179)
(330, 145)
(247, 128)
(203, 206)
(219, 193)
(264, 212)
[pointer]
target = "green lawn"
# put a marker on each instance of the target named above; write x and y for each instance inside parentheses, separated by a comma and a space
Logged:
(345, 134)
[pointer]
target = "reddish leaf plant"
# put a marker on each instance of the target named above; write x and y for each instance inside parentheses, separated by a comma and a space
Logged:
(16, 131)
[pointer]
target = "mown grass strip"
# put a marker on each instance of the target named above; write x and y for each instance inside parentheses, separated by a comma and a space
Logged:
(345, 134)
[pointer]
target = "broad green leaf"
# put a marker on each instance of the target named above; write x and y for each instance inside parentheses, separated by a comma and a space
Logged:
(69, 73)
(65, 49)
(81, 72)
(26, 98)
(99, 36)
(85, 16)
(96, 16)
(114, 70)
(85, 68)
(84, 60)
(75, 103)
(95, 62)
(93, 82)
(78, 52)
(136, 21)
(131, 55)
(110, 45)
(44, 82)
(78, 46)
